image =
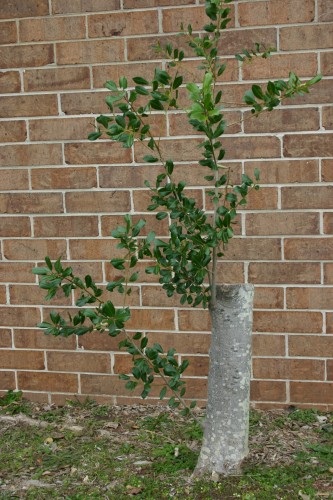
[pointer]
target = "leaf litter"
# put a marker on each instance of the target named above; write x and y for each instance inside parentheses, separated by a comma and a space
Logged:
(96, 451)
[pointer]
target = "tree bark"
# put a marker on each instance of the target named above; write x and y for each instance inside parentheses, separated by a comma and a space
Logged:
(225, 442)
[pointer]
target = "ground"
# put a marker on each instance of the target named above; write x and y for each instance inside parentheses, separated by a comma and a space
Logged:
(82, 451)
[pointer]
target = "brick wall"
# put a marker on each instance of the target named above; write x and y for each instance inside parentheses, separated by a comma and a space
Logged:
(61, 195)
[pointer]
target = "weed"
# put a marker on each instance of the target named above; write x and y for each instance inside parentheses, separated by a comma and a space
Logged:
(13, 403)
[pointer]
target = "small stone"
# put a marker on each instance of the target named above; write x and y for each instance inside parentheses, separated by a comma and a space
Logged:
(215, 477)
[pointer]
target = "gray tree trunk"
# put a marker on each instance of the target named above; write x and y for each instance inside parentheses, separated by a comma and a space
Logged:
(225, 442)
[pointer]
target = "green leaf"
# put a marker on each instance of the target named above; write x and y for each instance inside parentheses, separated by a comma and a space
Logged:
(123, 82)
(48, 263)
(40, 270)
(163, 392)
(118, 263)
(161, 215)
(94, 135)
(257, 174)
(139, 80)
(150, 159)
(133, 277)
(177, 82)
(111, 85)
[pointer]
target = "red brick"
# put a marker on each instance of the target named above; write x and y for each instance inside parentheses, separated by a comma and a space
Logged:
(10, 82)
(280, 65)
(311, 392)
(5, 338)
(299, 197)
(151, 319)
(321, 93)
(139, 4)
(83, 268)
(8, 32)
(96, 152)
(110, 222)
(262, 390)
(327, 63)
(36, 339)
(179, 124)
(65, 7)
(328, 274)
(284, 272)
(142, 198)
(155, 296)
(103, 73)
(60, 129)
(293, 369)
(279, 12)
(28, 105)
(78, 362)
(101, 51)
(3, 294)
(308, 346)
(19, 316)
(283, 120)
(236, 148)
(94, 249)
(7, 381)
(33, 295)
(314, 145)
(123, 24)
(142, 49)
(96, 341)
(194, 174)
(18, 227)
(52, 28)
(328, 117)
(308, 249)
(193, 72)
(325, 11)
(306, 37)
(329, 322)
(185, 343)
(83, 103)
(51, 382)
(310, 298)
(268, 298)
(198, 366)
(330, 369)
(16, 272)
(65, 226)
(63, 178)
(13, 131)
(328, 223)
(282, 223)
(33, 249)
(235, 40)
(128, 176)
(174, 18)
(28, 8)
(22, 360)
(268, 345)
(327, 170)
(284, 171)
(253, 249)
(25, 56)
(264, 199)
(18, 203)
(94, 202)
(287, 321)
(102, 384)
(57, 78)
(194, 320)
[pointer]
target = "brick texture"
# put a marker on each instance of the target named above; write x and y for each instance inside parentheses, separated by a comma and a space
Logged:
(61, 194)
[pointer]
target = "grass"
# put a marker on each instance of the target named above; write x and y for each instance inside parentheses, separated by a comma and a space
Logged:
(94, 451)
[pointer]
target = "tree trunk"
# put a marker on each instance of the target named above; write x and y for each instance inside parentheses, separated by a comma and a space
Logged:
(225, 442)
